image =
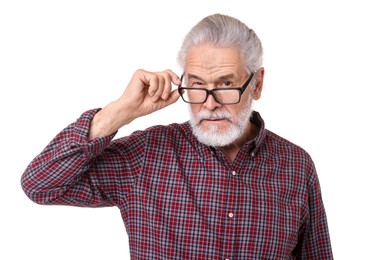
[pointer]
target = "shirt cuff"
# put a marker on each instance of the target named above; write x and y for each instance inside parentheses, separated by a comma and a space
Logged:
(79, 139)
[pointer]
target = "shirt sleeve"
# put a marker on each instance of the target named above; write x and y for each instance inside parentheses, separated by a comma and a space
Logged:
(73, 170)
(314, 239)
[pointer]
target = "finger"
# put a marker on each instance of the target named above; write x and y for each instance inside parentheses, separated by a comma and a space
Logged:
(167, 87)
(160, 88)
(152, 81)
(170, 78)
(146, 80)
(173, 97)
(175, 79)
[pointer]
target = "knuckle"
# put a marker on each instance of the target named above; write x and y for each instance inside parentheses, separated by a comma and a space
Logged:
(153, 77)
(161, 79)
(140, 71)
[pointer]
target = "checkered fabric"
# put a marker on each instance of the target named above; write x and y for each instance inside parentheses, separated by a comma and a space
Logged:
(180, 199)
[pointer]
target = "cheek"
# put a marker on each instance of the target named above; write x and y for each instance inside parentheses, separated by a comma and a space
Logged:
(194, 109)
(234, 109)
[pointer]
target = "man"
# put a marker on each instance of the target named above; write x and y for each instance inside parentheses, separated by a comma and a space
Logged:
(220, 186)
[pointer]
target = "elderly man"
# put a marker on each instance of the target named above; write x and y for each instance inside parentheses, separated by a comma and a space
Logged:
(219, 186)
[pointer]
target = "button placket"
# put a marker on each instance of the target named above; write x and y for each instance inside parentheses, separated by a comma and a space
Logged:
(230, 236)
(231, 213)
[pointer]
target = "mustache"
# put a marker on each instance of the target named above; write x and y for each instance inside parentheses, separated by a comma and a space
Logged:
(206, 115)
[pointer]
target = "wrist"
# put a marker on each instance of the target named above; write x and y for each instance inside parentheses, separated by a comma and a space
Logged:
(108, 120)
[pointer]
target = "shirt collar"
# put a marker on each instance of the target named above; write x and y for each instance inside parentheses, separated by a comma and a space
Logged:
(258, 121)
(206, 151)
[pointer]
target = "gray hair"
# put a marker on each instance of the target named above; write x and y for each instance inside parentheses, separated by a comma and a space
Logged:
(225, 31)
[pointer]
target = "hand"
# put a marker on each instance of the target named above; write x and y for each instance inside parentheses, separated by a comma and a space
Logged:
(146, 93)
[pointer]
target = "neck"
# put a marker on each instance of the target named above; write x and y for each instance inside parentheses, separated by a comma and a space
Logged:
(231, 150)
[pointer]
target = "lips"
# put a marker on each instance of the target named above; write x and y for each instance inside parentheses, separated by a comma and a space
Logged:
(214, 119)
(215, 116)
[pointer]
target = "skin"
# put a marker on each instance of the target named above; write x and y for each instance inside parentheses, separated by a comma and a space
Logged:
(148, 92)
(210, 67)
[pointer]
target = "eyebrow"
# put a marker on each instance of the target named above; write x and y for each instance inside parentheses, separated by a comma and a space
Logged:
(224, 77)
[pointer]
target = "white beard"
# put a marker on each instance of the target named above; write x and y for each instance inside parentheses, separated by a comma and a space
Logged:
(212, 136)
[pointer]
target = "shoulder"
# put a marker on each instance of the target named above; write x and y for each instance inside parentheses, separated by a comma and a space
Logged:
(288, 152)
(279, 141)
(156, 134)
(166, 132)
(283, 145)
(161, 138)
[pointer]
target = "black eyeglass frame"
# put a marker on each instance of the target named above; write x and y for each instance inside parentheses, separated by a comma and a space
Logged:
(211, 92)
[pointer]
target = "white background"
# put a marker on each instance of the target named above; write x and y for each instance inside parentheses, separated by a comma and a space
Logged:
(326, 89)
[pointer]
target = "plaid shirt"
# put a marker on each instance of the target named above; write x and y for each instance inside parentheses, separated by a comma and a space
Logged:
(180, 199)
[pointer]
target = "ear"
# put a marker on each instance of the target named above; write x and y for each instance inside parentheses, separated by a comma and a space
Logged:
(259, 76)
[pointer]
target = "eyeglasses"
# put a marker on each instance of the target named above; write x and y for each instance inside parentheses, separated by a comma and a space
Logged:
(224, 96)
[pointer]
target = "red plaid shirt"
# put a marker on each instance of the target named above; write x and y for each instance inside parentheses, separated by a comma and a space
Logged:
(180, 199)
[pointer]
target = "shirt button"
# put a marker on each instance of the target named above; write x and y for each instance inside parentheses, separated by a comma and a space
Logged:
(234, 173)
(253, 154)
(231, 215)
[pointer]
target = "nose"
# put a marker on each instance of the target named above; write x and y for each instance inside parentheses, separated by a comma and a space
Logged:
(210, 103)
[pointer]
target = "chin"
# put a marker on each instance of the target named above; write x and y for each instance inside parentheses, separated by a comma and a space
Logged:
(213, 129)
(215, 137)
(220, 133)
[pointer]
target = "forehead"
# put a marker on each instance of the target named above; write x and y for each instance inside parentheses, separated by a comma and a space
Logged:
(209, 61)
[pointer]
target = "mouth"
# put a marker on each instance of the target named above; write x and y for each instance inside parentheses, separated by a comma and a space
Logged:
(214, 117)
(214, 120)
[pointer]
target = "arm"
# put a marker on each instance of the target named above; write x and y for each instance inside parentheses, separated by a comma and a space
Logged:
(81, 166)
(314, 237)
(67, 172)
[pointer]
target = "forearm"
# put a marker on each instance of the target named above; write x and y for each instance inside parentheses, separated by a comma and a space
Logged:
(109, 120)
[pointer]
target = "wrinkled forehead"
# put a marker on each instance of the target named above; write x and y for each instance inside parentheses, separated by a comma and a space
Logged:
(208, 61)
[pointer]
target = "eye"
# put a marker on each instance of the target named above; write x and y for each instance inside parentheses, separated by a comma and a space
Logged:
(227, 83)
(196, 84)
